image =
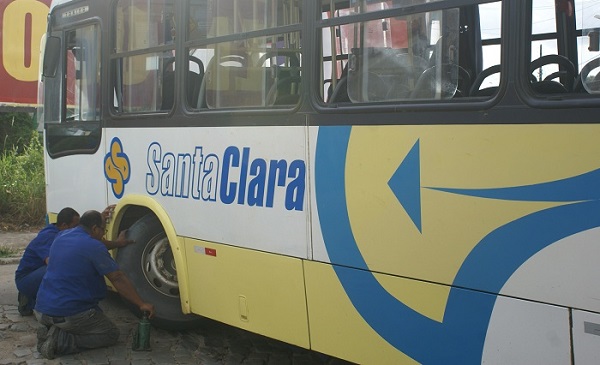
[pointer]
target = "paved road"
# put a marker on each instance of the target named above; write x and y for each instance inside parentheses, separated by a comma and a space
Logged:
(212, 343)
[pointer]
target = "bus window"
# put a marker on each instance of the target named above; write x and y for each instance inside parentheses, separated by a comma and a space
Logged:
(412, 57)
(199, 56)
(335, 52)
(82, 75)
(564, 48)
(487, 81)
(587, 15)
(552, 69)
(80, 96)
(249, 72)
(144, 82)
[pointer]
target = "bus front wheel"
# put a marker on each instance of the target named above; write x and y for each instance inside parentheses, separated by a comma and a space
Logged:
(150, 266)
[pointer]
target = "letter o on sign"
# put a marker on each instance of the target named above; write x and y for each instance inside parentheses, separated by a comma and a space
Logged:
(20, 55)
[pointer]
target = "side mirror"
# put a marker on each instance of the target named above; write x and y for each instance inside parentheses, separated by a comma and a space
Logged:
(51, 56)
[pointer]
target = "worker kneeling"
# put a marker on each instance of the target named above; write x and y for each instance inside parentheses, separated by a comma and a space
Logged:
(67, 301)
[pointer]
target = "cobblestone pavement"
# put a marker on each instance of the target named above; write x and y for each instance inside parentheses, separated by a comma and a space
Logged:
(212, 343)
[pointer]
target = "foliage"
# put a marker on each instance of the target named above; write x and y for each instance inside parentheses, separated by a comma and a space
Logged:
(22, 184)
(15, 131)
(7, 251)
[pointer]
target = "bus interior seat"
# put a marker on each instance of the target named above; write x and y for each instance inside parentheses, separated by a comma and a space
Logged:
(201, 99)
(443, 54)
(549, 87)
(284, 76)
(408, 70)
(193, 82)
(209, 73)
(339, 92)
(233, 81)
(584, 82)
(285, 90)
(488, 91)
(436, 51)
(390, 74)
(454, 82)
(465, 80)
(168, 84)
(376, 63)
(201, 102)
(278, 53)
(566, 73)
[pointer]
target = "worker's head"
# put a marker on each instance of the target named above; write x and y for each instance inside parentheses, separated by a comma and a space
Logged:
(93, 222)
(67, 218)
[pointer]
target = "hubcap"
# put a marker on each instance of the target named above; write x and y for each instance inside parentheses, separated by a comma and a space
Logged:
(159, 266)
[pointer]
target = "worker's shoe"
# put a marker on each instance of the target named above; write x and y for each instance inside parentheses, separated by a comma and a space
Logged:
(24, 308)
(48, 347)
(42, 335)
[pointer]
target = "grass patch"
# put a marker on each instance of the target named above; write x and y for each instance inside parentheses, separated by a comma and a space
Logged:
(7, 251)
(22, 185)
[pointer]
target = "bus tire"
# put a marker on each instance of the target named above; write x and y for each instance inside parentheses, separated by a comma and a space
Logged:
(149, 265)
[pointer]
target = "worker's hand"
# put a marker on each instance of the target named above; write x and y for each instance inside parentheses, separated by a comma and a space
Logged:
(107, 212)
(122, 239)
(148, 308)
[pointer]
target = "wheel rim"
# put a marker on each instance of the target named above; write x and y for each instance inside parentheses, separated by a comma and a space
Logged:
(158, 266)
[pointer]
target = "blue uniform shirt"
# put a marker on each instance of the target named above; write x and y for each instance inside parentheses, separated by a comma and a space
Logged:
(37, 251)
(74, 280)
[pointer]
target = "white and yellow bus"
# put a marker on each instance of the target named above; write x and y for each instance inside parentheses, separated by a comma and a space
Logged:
(387, 182)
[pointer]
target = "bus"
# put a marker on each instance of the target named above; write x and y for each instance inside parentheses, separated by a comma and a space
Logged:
(383, 181)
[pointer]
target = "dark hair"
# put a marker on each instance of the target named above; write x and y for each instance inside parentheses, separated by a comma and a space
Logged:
(91, 218)
(66, 216)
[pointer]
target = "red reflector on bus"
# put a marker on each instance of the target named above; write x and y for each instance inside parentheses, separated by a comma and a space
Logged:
(210, 251)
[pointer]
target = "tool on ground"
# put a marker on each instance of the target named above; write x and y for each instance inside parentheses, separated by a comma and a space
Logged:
(141, 336)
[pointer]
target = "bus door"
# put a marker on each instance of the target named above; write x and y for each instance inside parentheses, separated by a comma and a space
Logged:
(72, 99)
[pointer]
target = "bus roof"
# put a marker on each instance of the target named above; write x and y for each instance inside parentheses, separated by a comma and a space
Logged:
(58, 2)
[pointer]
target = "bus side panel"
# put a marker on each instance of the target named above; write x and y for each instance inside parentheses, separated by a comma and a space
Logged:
(256, 291)
(564, 273)
(337, 328)
(462, 205)
(241, 186)
(586, 337)
(523, 332)
(485, 211)
(75, 181)
(520, 332)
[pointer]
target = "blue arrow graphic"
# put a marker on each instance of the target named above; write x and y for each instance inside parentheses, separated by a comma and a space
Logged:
(406, 185)
(460, 337)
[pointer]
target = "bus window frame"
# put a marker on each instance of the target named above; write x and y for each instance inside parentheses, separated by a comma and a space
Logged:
(467, 103)
(224, 39)
(114, 56)
(93, 126)
(181, 46)
(524, 89)
(251, 110)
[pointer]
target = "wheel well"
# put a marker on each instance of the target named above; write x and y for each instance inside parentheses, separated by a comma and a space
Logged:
(130, 215)
(153, 272)
(136, 208)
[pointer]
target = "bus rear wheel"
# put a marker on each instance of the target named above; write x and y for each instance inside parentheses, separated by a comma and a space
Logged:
(150, 266)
